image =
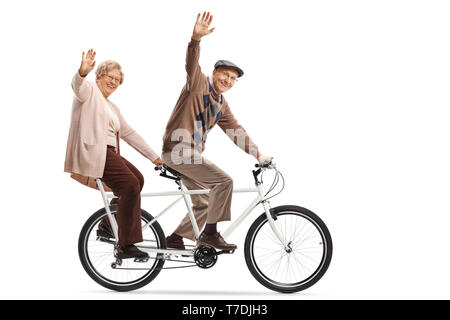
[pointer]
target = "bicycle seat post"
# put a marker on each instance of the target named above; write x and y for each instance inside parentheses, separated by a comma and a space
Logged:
(112, 221)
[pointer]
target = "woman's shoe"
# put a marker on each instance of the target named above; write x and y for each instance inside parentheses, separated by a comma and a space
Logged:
(104, 229)
(130, 251)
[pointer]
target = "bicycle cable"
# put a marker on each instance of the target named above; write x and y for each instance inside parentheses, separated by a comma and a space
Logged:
(282, 188)
(194, 265)
(275, 183)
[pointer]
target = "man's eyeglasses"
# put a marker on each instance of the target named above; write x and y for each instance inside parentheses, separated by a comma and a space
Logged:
(229, 76)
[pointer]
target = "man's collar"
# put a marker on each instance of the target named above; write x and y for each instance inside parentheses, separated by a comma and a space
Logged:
(213, 89)
(211, 85)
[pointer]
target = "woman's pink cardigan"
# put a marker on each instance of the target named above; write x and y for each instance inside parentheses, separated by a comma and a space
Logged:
(86, 145)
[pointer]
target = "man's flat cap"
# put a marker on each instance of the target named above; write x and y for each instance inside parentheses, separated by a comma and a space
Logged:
(228, 64)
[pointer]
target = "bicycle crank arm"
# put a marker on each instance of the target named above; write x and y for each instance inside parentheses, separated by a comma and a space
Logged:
(224, 252)
(211, 251)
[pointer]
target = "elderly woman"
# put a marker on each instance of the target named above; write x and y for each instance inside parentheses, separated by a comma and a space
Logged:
(93, 148)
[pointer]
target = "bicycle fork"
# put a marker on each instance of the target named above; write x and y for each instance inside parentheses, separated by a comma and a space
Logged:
(265, 203)
(271, 220)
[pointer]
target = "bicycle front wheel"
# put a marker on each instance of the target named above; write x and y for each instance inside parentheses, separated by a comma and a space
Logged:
(305, 260)
(97, 255)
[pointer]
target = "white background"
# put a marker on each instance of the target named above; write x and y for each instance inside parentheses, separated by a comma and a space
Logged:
(350, 97)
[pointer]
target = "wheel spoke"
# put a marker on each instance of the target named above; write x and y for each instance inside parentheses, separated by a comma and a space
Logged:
(272, 236)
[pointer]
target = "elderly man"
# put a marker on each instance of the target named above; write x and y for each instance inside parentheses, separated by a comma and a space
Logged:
(200, 106)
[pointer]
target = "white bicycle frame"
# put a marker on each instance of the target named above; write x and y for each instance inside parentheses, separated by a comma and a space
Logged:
(184, 194)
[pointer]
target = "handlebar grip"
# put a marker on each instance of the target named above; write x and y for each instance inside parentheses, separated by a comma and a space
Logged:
(264, 164)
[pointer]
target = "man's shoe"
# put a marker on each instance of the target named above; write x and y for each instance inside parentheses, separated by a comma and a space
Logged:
(215, 240)
(175, 242)
(130, 251)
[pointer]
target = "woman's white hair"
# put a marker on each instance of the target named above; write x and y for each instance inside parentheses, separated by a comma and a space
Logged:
(106, 66)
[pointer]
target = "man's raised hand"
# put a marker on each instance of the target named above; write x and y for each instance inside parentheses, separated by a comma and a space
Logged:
(201, 27)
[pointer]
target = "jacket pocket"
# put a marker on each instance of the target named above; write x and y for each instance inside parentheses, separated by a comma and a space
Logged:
(89, 142)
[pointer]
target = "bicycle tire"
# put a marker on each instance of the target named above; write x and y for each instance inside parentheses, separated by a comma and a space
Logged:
(87, 233)
(255, 249)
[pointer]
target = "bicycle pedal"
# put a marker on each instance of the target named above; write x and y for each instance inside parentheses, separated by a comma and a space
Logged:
(141, 260)
(226, 252)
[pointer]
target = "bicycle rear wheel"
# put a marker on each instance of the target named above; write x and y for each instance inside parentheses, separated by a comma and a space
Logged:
(299, 267)
(97, 255)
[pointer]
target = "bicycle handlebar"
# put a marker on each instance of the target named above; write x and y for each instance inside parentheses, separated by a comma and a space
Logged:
(266, 164)
(166, 169)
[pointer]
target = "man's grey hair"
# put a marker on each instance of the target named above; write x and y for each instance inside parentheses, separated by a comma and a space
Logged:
(106, 66)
